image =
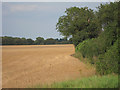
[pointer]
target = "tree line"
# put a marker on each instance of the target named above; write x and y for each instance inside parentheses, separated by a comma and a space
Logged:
(95, 34)
(39, 41)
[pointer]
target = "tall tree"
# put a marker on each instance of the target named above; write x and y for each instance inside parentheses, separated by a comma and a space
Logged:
(80, 23)
(39, 41)
(30, 41)
(108, 13)
(50, 41)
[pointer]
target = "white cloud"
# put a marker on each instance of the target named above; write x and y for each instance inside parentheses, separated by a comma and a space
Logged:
(14, 8)
(29, 7)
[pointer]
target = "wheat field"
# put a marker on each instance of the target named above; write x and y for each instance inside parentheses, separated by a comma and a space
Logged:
(29, 65)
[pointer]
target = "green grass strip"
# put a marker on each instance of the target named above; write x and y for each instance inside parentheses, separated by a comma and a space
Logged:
(107, 81)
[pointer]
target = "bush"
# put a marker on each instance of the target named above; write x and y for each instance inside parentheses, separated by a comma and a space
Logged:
(88, 49)
(103, 47)
(108, 62)
(96, 46)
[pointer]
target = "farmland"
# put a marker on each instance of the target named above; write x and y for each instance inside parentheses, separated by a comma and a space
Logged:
(29, 65)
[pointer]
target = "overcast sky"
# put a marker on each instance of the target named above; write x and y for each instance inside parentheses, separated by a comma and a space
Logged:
(31, 20)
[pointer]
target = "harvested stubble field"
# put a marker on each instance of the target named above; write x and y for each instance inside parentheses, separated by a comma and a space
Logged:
(29, 65)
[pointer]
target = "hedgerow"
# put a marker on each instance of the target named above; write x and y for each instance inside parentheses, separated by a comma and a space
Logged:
(108, 63)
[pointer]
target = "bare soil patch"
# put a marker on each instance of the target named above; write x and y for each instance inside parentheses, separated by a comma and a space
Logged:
(29, 65)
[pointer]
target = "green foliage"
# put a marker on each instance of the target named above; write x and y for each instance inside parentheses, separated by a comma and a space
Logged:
(50, 41)
(108, 63)
(79, 37)
(97, 46)
(80, 23)
(108, 13)
(39, 41)
(105, 46)
(109, 81)
(30, 41)
(0, 40)
(70, 41)
(13, 41)
(88, 48)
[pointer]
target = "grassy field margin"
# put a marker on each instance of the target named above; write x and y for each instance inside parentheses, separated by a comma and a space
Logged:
(107, 81)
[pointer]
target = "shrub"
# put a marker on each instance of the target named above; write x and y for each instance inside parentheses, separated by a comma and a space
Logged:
(88, 49)
(108, 62)
(96, 46)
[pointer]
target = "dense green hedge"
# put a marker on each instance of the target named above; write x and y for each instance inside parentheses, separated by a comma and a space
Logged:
(87, 48)
(97, 46)
(108, 62)
(105, 48)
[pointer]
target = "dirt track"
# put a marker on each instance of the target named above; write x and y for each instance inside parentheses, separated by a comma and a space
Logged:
(31, 65)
